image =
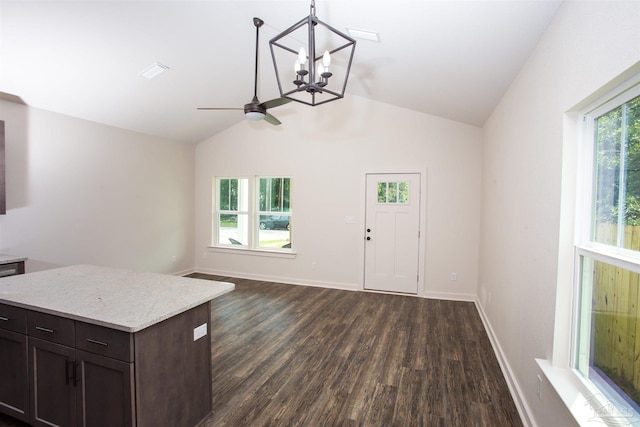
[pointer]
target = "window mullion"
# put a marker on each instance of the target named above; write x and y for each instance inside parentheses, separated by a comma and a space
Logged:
(584, 332)
(622, 189)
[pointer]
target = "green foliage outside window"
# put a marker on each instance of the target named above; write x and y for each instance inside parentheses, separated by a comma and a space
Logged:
(229, 194)
(275, 194)
(618, 161)
(393, 192)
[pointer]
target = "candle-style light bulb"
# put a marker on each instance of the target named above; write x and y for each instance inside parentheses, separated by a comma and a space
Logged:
(297, 66)
(326, 59)
(302, 56)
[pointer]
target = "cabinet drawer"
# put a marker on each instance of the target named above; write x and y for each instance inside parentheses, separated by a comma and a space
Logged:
(11, 269)
(104, 341)
(50, 328)
(13, 318)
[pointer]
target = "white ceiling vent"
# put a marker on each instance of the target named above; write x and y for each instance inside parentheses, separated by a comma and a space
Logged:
(363, 34)
(153, 70)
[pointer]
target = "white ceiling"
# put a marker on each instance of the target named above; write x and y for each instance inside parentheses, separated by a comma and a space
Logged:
(449, 58)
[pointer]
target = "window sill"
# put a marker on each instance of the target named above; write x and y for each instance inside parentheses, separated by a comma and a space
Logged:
(587, 405)
(273, 253)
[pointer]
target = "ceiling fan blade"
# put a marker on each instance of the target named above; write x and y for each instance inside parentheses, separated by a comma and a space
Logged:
(275, 102)
(253, 108)
(221, 108)
(271, 119)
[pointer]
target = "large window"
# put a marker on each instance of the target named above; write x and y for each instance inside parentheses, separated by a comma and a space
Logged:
(607, 350)
(232, 211)
(274, 212)
(254, 216)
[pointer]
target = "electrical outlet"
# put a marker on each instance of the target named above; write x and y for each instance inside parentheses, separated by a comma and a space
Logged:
(314, 265)
(454, 277)
(173, 259)
(199, 332)
(539, 387)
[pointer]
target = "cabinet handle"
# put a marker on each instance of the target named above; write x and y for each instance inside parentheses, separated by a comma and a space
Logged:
(97, 342)
(75, 373)
(66, 370)
(40, 328)
(4, 319)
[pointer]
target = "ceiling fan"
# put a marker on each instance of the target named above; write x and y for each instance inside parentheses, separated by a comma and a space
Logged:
(256, 110)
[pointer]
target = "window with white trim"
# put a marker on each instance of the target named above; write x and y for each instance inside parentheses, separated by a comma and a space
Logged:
(274, 212)
(606, 351)
(254, 216)
(231, 218)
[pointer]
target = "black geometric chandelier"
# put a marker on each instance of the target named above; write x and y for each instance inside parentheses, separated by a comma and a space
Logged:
(312, 61)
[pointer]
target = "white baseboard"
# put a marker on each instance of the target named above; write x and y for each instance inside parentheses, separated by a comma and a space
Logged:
(278, 279)
(330, 285)
(512, 383)
(449, 296)
(183, 272)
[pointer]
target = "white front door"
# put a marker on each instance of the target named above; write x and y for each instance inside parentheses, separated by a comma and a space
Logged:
(392, 232)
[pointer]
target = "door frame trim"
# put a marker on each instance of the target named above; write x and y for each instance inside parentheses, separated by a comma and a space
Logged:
(422, 244)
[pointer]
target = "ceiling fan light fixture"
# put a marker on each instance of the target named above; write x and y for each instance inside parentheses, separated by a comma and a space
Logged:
(254, 115)
(321, 65)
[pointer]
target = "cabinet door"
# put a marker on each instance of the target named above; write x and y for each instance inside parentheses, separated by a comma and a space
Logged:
(173, 370)
(104, 391)
(14, 382)
(52, 390)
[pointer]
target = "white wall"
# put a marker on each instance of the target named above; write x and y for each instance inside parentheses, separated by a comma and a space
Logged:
(587, 45)
(81, 192)
(327, 150)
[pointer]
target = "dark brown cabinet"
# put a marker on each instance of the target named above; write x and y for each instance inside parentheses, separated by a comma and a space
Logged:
(52, 388)
(104, 394)
(14, 382)
(14, 387)
(73, 387)
(56, 371)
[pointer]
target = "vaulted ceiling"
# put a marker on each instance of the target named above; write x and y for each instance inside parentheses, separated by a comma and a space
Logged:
(453, 59)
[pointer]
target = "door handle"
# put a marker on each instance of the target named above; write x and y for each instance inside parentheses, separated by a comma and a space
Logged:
(368, 238)
(368, 230)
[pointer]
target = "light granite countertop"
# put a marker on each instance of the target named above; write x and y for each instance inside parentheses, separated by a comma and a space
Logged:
(8, 259)
(119, 299)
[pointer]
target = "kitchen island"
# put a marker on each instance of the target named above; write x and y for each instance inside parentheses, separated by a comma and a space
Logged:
(87, 345)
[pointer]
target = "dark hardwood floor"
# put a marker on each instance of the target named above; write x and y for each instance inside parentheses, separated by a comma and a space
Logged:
(285, 355)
